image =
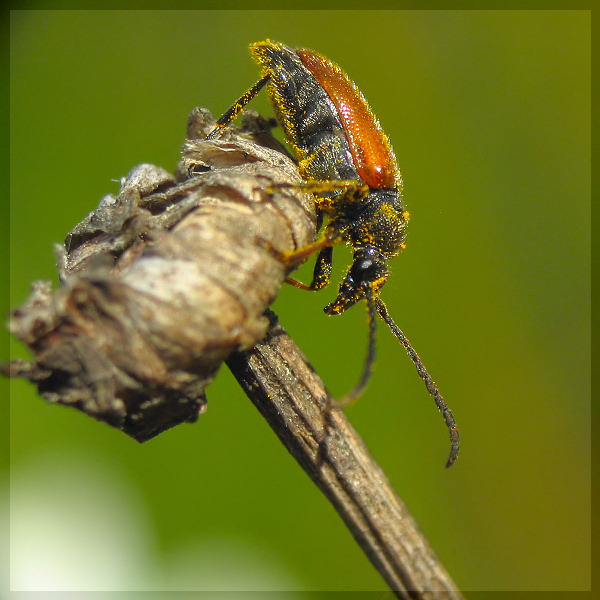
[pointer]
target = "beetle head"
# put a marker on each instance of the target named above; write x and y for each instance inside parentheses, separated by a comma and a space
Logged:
(368, 270)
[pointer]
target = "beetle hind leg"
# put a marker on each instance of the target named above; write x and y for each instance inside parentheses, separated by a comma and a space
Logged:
(230, 114)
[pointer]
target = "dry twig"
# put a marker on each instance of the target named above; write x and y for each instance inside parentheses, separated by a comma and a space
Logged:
(294, 401)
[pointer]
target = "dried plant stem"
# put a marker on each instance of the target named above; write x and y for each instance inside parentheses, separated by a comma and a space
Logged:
(293, 400)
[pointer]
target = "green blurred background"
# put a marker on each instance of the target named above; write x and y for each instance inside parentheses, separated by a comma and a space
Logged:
(489, 115)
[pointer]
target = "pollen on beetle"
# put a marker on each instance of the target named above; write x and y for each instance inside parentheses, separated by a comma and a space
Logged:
(406, 215)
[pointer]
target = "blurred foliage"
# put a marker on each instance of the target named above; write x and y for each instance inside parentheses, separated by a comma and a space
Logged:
(489, 114)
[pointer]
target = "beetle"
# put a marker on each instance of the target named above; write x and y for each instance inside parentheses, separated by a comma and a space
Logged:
(347, 161)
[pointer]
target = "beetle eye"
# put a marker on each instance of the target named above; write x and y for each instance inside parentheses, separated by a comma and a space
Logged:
(363, 269)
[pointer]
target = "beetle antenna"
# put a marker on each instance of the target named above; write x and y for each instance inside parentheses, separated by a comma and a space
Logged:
(368, 368)
(429, 383)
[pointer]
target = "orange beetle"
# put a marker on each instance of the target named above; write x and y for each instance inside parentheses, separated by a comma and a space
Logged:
(347, 161)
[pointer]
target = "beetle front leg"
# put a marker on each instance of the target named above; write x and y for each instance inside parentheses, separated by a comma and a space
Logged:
(321, 272)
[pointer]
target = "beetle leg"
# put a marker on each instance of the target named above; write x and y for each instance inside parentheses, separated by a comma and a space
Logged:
(321, 272)
(322, 269)
(350, 191)
(230, 114)
(332, 235)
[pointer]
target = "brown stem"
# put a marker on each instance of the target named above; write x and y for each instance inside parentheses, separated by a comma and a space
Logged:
(293, 400)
